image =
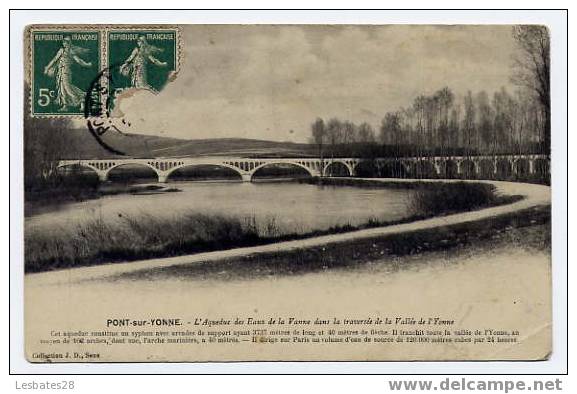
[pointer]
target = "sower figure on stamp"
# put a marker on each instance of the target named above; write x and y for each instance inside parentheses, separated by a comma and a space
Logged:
(67, 94)
(136, 64)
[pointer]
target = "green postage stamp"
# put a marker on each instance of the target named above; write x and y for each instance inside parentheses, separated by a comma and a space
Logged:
(64, 64)
(140, 59)
(67, 64)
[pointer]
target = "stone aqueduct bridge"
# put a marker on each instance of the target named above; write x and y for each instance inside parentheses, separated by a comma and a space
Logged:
(471, 166)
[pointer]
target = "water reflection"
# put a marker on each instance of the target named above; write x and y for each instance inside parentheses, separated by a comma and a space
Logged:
(294, 207)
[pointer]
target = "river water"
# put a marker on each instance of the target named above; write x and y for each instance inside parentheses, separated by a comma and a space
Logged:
(294, 207)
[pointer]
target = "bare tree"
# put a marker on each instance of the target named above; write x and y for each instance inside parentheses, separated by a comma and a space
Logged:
(391, 130)
(532, 69)
(453, 127)
(319, 133)
(366, 133)
(469, 123)
(484, 122)
(349, 130)
(444, 100)
(334, 134)
(46, 141)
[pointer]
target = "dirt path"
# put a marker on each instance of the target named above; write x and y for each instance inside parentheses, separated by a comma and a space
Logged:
(533, 195)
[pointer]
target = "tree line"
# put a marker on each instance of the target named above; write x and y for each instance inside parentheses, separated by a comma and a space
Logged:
(475, 123)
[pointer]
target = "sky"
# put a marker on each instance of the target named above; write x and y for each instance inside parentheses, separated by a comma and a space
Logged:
(271, 82)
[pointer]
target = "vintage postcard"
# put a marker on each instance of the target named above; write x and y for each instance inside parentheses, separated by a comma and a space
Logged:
(287, 193)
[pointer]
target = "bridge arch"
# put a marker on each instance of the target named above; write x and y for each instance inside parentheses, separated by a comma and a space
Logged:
(449, 169)
(541, 166)
(368, 169)
(116, 169)
(522, 167)
(260, 166)
(79, 174)
(504, 168)
(468, 169)
(79, 165)
(344, 168)
(135, 163)
(393, 169)
(486, 168)
(425, 169)
(172, 170)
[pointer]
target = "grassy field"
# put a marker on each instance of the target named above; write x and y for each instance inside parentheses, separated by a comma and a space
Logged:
(528, 230)
(144, 237)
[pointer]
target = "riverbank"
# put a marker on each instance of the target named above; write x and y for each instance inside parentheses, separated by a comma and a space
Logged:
(527, 230)
(533, 196)
(50, 198)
